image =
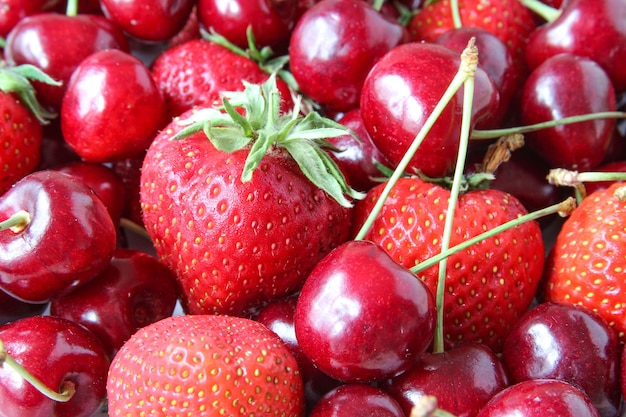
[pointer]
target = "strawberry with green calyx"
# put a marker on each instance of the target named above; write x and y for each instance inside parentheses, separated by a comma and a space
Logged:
(242, 207)
(586, 265)
(22, 119)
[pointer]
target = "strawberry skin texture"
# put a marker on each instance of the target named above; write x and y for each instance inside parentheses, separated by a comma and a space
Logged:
(234, 246)
(201, 366)
(587, 263)
(509, 20)
(20, 136)
(196, 72)
(488, 285)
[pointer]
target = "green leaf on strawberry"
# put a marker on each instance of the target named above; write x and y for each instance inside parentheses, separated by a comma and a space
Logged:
(262, 127)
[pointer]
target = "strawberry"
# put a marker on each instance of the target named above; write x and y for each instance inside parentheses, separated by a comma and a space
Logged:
(509, 20)
(21, 128)
(195, 72)
(587, 263)
(243, 216)
(205, 365)
(488, 285)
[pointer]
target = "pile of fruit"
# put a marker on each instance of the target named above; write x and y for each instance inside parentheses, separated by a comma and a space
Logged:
(409, 208)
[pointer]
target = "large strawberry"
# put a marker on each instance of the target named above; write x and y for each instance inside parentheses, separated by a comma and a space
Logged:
(205, 366)
(195, 73)
(488, 285)
(509, 20)
(243, 216)
(587, 263)
(21, 123)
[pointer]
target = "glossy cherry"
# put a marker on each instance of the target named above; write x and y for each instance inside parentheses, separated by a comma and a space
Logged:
(57, 43)
(65, 236)
(149, 20)
(547, 95)
(358, 157)
(271, 21)
(112, 108)
(357, 400)
(569, 343)
(278, 317)
(589, 28)
(15, 10)
(540, 398)
(362, 317)
(333, 47)
(462, 379)
(100, 178)
(57, 352)
(133, 291)
(400, 93)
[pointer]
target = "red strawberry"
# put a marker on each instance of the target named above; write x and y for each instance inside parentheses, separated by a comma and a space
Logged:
(587, 263)
(205, 366)
(488, 285)
(21, 129)
(240, 217)
(509, 20)
(196, 72)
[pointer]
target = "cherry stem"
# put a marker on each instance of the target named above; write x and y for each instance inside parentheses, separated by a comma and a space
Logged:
(452, 89)
(67, 387)
(128, 224)
(72, 8)
(496, 133)
(427, 406)
(456, 15)
(469, 63)
(17, 222)
(378, 5)
(564, 209)
(548, 13)
(565, 178)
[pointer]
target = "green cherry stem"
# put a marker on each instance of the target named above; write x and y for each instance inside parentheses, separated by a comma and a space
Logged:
(496, 133)
(456, 15)
(564, 209)
(378, 5)
(469, 63)
(565, 178)
(427, 406)
(452, 89)
(128, 224)
(72, 8)
(67, 387)
(548, 13)
(17, 222)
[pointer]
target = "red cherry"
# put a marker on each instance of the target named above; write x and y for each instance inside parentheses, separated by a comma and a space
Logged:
(64, 239)
(149, 20)
(357, 400)
(57, 43)
(362, 317)
(58, 353)
(547, 95)
(133, 291)
(112, 109)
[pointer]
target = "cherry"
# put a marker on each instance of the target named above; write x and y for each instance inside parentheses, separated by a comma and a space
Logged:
(15, 10)
(278, 317)
(569, 343)
(271, 21)
(333, 47)
(361, 316)
(57, 236)
(462, 379)
(112, 108)
(149, 20)
(397, 99)
(100, 178)
(57, 43)
(539, 398)
(357, 158)
(587, 28)
(357, 400)
(547, 95)
(12, 309)
(60, 354)
(129, 170)
(133, 291)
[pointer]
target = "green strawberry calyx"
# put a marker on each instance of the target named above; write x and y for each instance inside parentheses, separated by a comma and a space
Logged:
(263, 127)
(18, 79)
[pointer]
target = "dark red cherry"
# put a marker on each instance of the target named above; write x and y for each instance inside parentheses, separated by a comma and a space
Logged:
(357, 400)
